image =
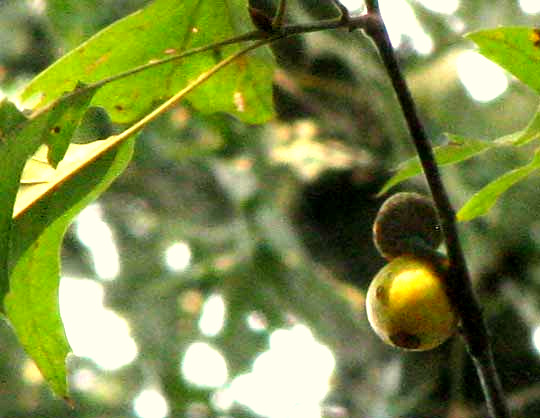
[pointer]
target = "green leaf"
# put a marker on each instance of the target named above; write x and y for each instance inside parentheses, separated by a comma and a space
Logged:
(460, 149)
(21, 138)
(483, 200)
(516, 49)
(32, 302)
(156, 32)
(456, 150)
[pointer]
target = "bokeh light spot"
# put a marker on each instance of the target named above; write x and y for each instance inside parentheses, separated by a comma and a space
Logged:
(150, 403)
(204, 366)
(536, 339)
(530, 6)
(213, 316)
(441, 6)
(96, 235)
(178, 256)
(483, 79)
(402, 23)
(292, 378)
(92, 330)
(353, 5)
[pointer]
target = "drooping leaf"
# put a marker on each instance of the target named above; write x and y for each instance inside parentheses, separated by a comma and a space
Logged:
(21, 137)
(516, 49)
(48, 213)
(456, 150)
(44, 209)
(483, 200)
(32, 302)
(163, 28)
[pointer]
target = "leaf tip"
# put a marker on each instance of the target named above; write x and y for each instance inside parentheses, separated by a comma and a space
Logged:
(461, 216)
(383, 191)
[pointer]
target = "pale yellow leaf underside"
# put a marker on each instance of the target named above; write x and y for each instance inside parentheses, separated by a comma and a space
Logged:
(40, 178)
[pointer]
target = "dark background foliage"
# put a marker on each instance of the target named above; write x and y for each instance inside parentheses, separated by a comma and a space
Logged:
(278, 217)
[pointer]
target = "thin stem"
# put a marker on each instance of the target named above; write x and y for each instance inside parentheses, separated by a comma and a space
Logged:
(280, 33)
(277, 22)
(459, 285)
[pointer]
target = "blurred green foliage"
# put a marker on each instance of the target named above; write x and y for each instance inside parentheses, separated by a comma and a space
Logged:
(278, 217)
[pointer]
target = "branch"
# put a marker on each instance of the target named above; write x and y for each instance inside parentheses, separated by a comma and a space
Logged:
(274, 34)
(459, 285)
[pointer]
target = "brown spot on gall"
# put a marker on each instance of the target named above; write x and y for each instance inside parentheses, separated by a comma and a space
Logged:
(406, 340)
(382, 295)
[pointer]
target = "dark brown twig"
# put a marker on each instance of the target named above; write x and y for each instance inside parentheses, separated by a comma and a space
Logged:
(461, 293)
